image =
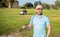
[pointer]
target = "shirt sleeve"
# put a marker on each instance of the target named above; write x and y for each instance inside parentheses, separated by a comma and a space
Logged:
(47, 21)
(31, 20)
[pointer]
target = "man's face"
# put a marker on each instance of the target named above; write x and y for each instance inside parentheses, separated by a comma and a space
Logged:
(39, 11)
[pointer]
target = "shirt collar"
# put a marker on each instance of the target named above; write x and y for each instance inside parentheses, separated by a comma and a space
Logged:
(39, 15)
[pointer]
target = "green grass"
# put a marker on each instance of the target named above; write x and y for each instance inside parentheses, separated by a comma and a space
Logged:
(11, 21)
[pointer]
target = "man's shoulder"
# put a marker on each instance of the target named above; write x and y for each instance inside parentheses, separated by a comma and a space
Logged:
(45, 17)
(33, 15)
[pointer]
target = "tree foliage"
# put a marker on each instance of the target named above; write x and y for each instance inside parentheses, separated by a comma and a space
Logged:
(57, 3)
(37, 3)
(46, 6)
(28, 5)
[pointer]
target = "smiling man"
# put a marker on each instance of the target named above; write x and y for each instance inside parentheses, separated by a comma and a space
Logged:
(39, 23)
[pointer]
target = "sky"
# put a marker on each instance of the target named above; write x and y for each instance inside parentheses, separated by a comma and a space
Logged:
(21, 2)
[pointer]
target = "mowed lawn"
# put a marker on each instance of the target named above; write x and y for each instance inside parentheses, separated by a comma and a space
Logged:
(11, 21)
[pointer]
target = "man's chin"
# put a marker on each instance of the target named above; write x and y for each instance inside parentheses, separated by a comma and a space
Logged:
(39, 14)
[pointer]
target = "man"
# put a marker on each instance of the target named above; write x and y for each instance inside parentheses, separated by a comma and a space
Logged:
(39, 23)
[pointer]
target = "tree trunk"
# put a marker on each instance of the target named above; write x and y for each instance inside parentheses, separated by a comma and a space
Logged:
(9, 5)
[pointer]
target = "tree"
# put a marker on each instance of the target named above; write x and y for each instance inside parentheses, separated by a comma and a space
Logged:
(53, 6)
(37, 3)
(28, 5)
(46, 6)
(57, 3)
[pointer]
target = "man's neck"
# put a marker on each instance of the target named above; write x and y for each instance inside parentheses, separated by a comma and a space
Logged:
(38, 15)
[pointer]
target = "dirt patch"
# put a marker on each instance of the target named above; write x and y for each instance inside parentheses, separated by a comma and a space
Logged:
(57, 35)
(3, 35)
(12, 35)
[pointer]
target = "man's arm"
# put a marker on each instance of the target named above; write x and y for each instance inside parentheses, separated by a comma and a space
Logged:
(49, 30)
(28, 26)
